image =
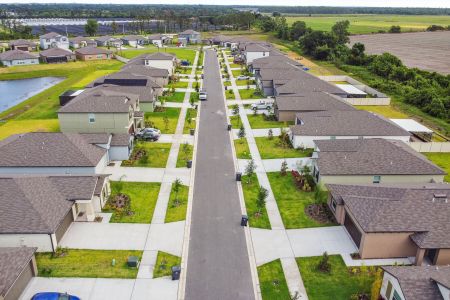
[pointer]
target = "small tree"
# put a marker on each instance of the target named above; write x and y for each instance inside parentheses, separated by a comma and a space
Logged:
(270, 134)
(250, 170)
(185, 150)
(91, 27)
(235, 109)
(261, 199)
(197, 87)
(284, 167)
(324, 264)
(241, 133)
(176, 189)
(166, 123)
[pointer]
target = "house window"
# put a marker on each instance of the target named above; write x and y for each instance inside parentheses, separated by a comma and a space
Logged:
(396, 296)
(91, 118)
(376, 179)
(388, 290)
(333, 204)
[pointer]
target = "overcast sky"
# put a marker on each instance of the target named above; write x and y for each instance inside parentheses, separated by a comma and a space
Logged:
(391, 3)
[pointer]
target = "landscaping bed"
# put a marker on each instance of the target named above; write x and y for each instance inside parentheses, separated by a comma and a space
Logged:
(177, 207)
(149, 155)
(163, 118)
(164, 263)
(86, 263)
(272, 281)
(250, 190)
(272, 148)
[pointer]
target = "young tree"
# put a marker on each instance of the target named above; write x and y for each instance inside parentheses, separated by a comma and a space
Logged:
(114, 27)
(166, 123)
(270, 134)
(261, 199)
(250, 170)
(340, 31)
(176, 189)
(91, 27)
(284, 167)
(241, 133)
(185, 149)
(324, 264)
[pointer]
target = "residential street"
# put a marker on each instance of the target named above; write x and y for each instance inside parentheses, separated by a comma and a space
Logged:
(218, 265)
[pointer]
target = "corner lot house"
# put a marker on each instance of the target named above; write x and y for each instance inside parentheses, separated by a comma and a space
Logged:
(376, 160)
(390, 221)
(108, 41)
(134, 40)
(57, 55)
(344, 124)
(191, 36)
(286, 107)
(159, 60)
(93, 53)
(18, 58)
(38, 210)
(53, 40)
(17, 268)
(418, 283)
(81, 41)
(102, 109)
(23, 45)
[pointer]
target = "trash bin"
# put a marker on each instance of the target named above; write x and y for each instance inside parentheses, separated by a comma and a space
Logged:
(229, 127)
(244, 220)
(189, 164)
(238, 176)
(176, 270)
(192, 131)
(226, 88)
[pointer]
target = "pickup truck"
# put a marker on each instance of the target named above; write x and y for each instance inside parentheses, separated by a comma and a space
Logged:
(203, 95)
(262, 105)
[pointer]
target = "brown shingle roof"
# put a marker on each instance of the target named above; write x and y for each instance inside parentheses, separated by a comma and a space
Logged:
(21, 42)
(145, 93)
(120, 139)
(92, 51)
(372, 157)
(303, 82)
(13, 260)
(145, 70)
(50, 35)
(49, 149)
(16, 55)
(311, 101)
(55, 52)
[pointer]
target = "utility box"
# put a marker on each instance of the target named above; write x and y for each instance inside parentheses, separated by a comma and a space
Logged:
(176, 270)
(133, 261)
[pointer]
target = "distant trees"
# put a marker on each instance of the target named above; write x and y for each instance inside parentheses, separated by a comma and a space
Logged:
(298, 29)
(91, 27)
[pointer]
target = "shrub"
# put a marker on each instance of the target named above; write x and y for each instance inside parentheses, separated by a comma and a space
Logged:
(324, 264)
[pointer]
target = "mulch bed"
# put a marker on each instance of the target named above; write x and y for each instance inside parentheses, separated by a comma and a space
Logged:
(320, 213)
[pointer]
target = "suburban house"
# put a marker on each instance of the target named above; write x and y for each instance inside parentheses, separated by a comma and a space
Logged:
(23, 45)
(108, 41)
(56, 55)
(53, 40)
(17, 268)
(134, 40)
(392, 221)
(18, 58)
(93, 53)
(372, 160)
(342, 124)
(191, 36)
(159, 60)
(125, 78)
(416, 283)
(160, 76)
(159, 39)
(303, 83)
(54, 153)
(37, 211)
(219, 40)
(102, 109)
(272, 61)
(81, 41)
(254, 51)
(286, 107)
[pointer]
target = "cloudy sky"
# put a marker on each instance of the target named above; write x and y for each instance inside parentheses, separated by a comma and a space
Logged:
(392, 3)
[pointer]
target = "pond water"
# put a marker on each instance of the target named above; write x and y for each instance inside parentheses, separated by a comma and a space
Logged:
(13, 92)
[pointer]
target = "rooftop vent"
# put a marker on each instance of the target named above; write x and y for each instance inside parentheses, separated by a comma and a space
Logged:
(440, 197)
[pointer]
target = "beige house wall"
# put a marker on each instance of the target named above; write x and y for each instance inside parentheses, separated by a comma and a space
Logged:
(285, 116)
(361, 179)
(387, 245)
(443, 257)
(104, 122)
(93, 57)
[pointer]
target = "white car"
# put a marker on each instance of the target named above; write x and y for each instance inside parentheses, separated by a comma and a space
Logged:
(242, 77)
(262, 105)
(203, 95)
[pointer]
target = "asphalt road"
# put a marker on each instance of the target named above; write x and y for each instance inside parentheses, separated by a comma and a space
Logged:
(218, 264)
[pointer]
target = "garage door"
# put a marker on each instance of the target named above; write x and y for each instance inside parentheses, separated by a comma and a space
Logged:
(21, 283)
(68, 219)
(352, 230)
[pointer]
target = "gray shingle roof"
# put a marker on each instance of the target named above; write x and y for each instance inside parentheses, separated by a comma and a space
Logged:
(311, 101)
(189, 31)
(145, 93)
(345, 123)
(21, 42)
(55, 52)
(273, 61)
(49, 149)
(80, 39)
(16, 55)
(50, 35)
(92, 51)
(133, 38)
(372, 157)
(418, 283)
(302, 82)
(13, 261)
(145, 70)
(106, 38)
(39, 204)
(120, 139)
(155, 56)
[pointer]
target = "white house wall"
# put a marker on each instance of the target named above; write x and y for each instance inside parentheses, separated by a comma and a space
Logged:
(41, 241)
(251, 56)
(119, 153)
(161, 64)
(21, 62)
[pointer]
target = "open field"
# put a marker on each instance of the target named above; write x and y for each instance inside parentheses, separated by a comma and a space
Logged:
(361, 24)
(424, 50)
(181, 53)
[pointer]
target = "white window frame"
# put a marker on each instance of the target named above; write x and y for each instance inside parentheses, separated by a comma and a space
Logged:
(91, 118)
(376, 179)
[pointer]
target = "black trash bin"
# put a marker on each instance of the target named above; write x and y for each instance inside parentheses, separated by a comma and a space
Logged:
(192, 131)
(238, 176)
(176, 270)
(229, 127)
(244, 220)
(226, 88)
(189, 164)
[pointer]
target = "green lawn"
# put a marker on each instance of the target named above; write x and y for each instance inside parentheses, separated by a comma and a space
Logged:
(184, 70)
(242, 150)
(177, 211)
(250, 190)
(156, 119)
(249, 94)
(235, 121)
(184, 157)
(272, 281)
(385, 110)
(292, 202)
(257, 122)
(155, 155)
(270, 148)
(22, 126)
(175, 97)
(190, 120)
(178, 84)
(361, 24)
(244, 82)
(229, 95)
(87, 263)
(181, 53)
(235, 66)
(143, 197)
(442, 160)
(340, 283)
(164, 264)
(236, 73)
(227, 83)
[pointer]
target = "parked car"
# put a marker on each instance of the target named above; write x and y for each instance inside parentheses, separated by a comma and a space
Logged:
(54, 296)
(203, 95)
(243, 77)
(151, 134)
(262, 105)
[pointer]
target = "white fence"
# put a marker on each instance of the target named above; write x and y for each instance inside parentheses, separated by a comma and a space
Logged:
(430, 146)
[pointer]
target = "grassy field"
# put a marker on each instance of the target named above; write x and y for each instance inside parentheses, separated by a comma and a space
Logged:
(229, 95)
(21, 126)
(181, 53)
(177, 211)
(143, 197)
(361, 24)
(184, 157)
(87, 263)
(442, 160)
(157, 118)
(242, 150)
(272, 281)
(388, 111)
(271, 148)
(258, 122)
(164, 264)
(292, 202)
(155, 155)
(339, 283)
(250, 190)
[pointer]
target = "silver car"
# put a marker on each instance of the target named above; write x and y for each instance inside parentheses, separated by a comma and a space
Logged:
(262, 105)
